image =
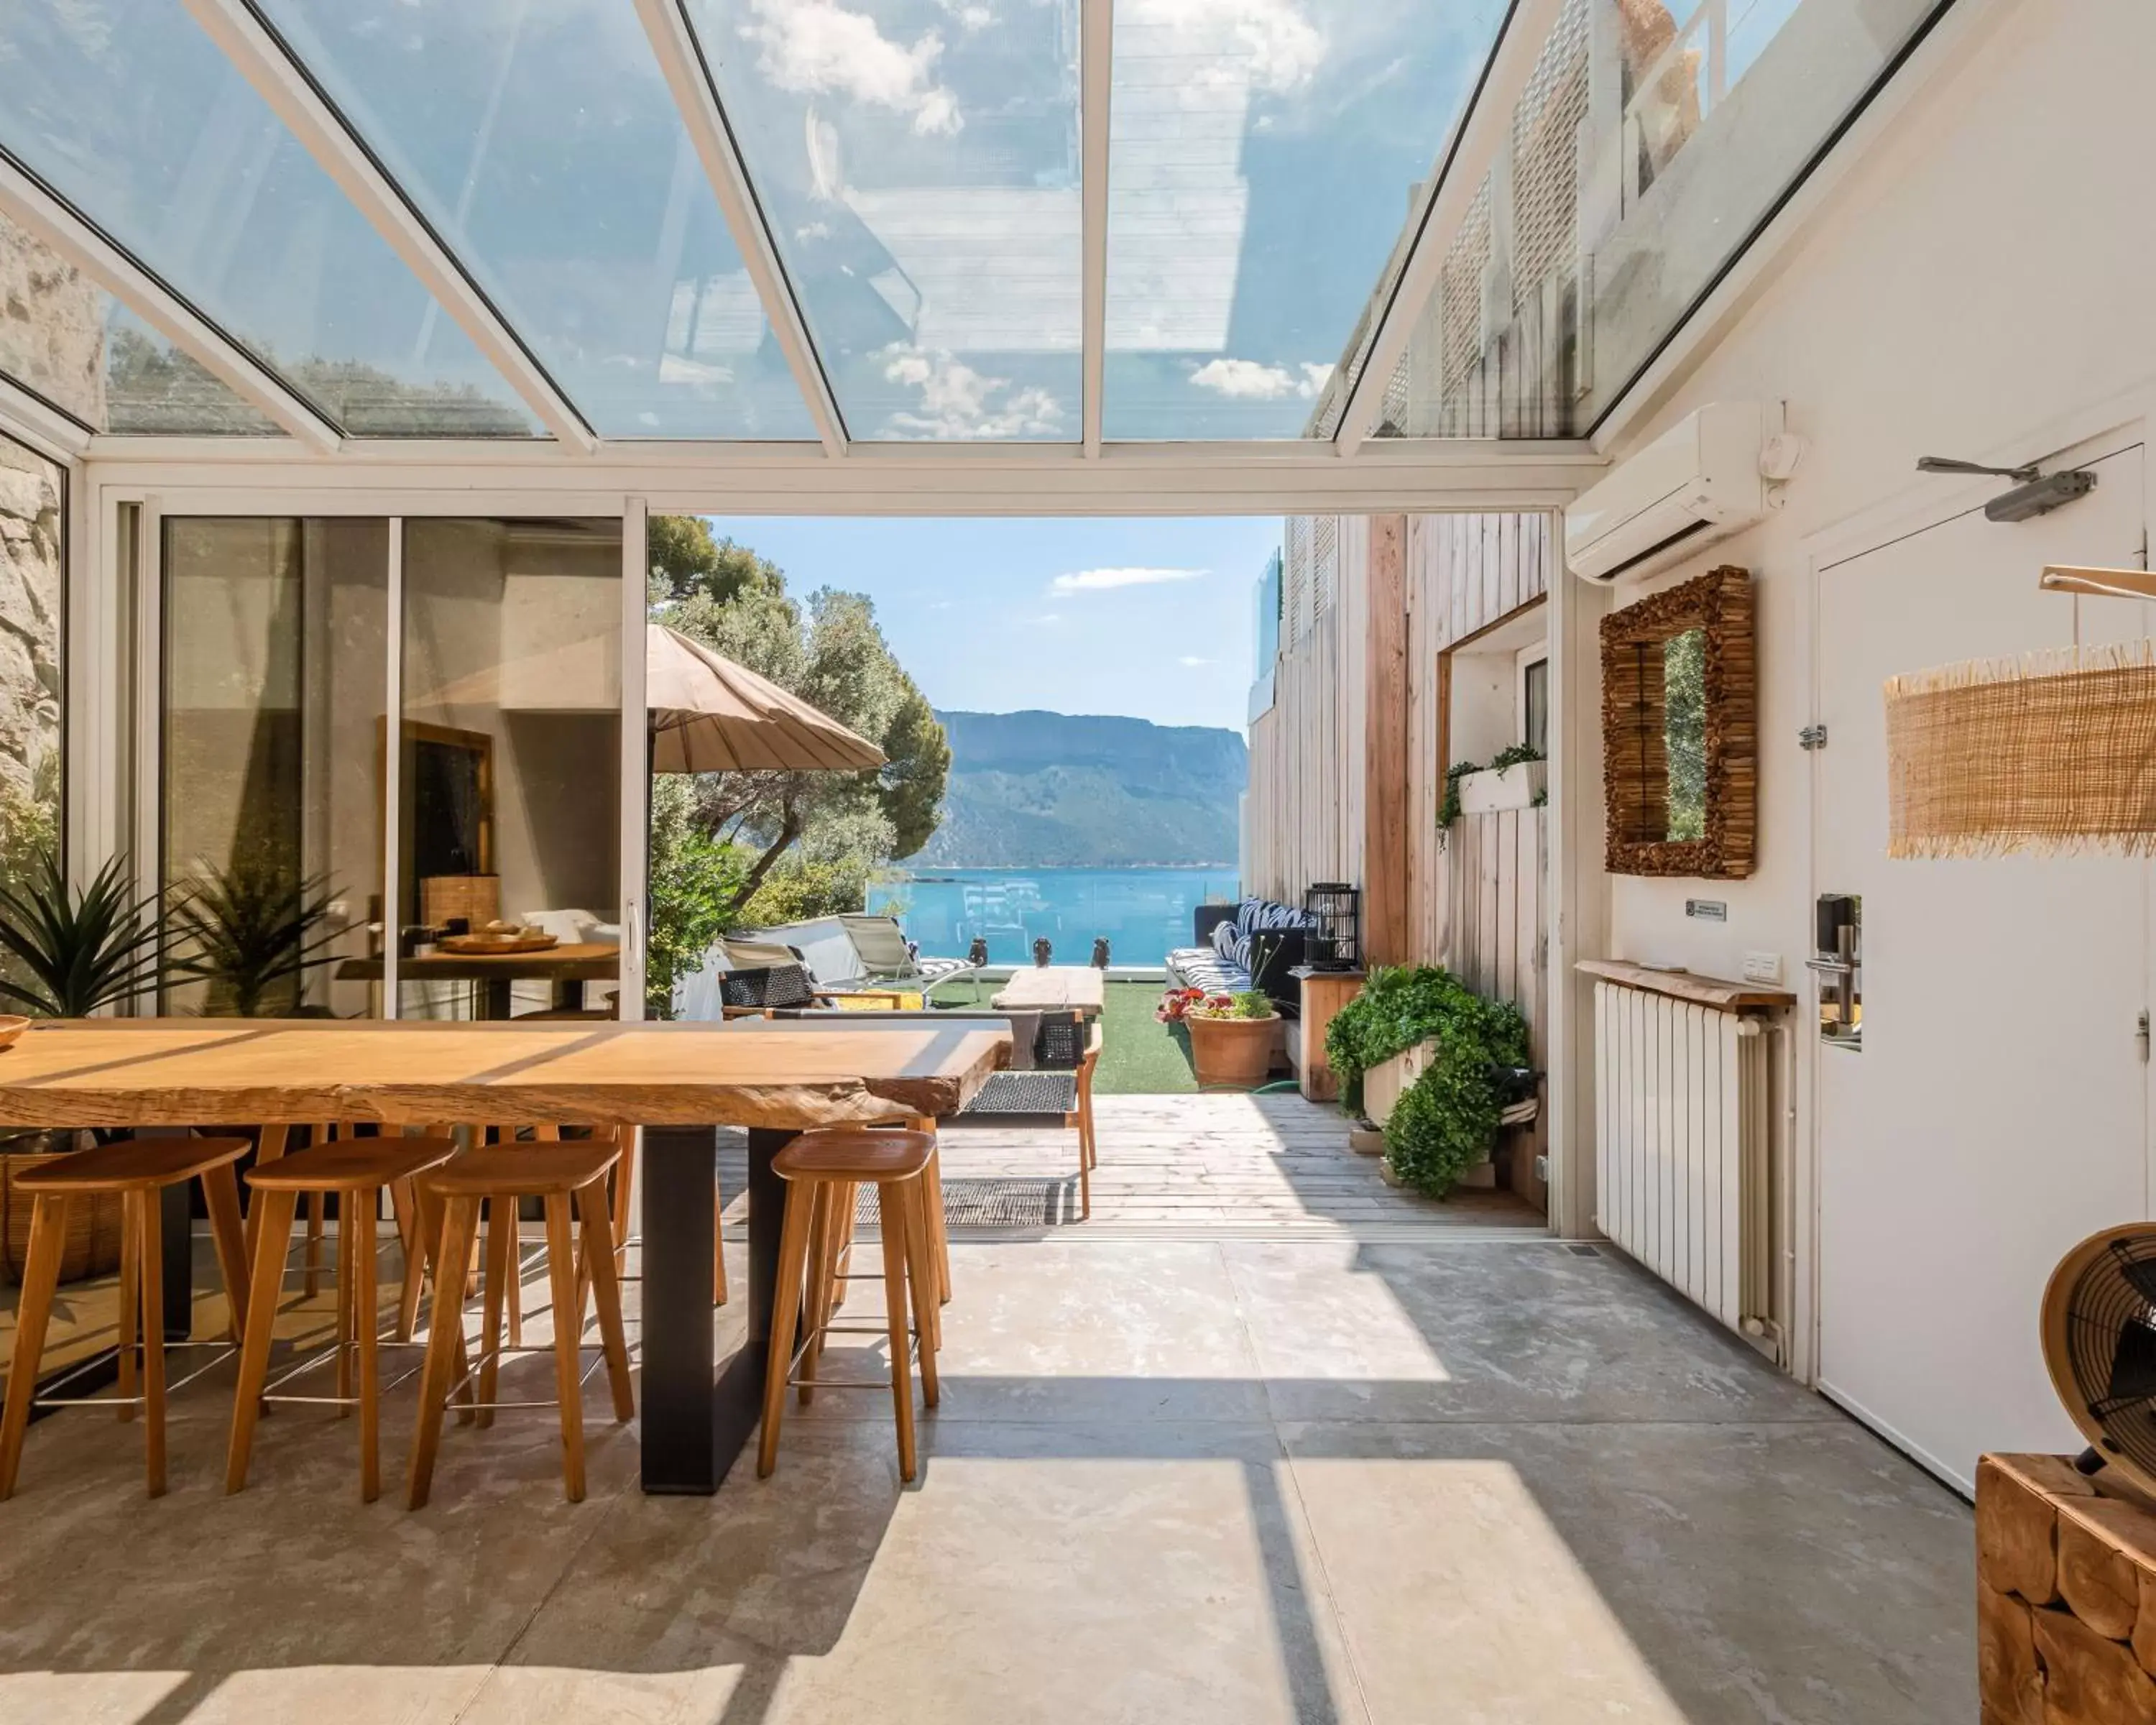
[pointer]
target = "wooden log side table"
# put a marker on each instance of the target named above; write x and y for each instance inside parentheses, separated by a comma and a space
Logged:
(1324, 993)
(2066, 1596)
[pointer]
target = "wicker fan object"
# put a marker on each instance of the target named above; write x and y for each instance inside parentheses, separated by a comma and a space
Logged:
(2100, 1345)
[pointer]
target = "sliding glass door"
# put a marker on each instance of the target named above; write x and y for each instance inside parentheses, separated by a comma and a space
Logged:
(467, 865)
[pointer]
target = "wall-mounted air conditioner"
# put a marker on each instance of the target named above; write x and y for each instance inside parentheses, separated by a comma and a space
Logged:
(1697, 483)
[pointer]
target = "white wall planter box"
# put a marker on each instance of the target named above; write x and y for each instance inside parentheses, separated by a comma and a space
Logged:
(1514, 787)
(1382, 1083)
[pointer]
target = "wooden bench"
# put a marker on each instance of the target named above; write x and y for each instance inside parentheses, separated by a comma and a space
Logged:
(2066, 1596)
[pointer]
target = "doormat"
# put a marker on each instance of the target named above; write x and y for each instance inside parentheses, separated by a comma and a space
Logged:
(2054, 752)
(995, 1203)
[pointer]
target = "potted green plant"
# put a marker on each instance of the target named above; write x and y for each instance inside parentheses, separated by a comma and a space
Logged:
(256, 927)
(1231, 1035)
(64, 954)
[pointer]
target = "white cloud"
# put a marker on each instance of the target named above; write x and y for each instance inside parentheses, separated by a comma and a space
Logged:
(957, 401)
(969, 14)
(1249, 380)
(1105, 580)
(1190, 661)
(1275, 47)
(818, 47)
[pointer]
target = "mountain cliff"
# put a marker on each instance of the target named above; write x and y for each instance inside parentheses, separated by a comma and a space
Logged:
(1042, 790)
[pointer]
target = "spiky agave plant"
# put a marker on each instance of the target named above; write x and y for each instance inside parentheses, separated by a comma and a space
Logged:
(255, 927)
(74, 952)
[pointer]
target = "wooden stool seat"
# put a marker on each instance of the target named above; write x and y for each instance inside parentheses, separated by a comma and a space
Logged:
(138, 1170)
(822, 1170)
(846, 1153)
(568, 1174)
(357, 1170)
(131, 1165)
(351, 1164)
(533, 1170)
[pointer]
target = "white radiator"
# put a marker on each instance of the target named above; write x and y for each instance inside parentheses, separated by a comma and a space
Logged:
(1687, 1166)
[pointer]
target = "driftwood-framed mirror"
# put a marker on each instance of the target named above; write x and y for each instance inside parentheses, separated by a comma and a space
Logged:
(1679, 740)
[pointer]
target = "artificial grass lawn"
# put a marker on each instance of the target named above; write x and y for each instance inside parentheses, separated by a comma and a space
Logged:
(1139, 1056)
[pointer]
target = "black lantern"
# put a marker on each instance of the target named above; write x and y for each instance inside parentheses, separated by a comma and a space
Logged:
(1333, 939)
(1042, 952)
(976, 955)
(1100, 951)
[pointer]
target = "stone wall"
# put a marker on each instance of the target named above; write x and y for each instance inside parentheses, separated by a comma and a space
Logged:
(30, 609)
(52, 326)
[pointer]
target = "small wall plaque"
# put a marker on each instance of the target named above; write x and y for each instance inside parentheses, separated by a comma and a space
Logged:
(1707, 910)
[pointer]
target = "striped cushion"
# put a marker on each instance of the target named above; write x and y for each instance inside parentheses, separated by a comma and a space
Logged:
(1202, 968)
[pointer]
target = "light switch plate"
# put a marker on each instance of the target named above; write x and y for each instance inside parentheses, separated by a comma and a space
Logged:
(1762, 967)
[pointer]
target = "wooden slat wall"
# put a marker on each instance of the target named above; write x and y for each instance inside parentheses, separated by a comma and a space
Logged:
(1307, 765)
(1476, 907)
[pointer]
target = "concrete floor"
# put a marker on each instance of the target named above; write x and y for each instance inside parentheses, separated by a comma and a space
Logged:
(1474, 1477)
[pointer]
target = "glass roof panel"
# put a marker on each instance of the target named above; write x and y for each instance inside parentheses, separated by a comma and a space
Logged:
(65, 339)
(1262, 158)
(541, 143)
(917, 161)
(131, 114)
(1621, 199)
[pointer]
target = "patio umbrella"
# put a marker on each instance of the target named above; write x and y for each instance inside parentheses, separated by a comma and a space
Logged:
(709, 714)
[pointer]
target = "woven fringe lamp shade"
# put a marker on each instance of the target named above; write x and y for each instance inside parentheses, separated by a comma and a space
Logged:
(2053, 752)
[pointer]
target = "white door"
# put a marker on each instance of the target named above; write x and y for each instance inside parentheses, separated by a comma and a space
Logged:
(1998, 1110)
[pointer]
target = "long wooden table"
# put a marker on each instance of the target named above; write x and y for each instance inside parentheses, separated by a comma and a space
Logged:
(679, 1082)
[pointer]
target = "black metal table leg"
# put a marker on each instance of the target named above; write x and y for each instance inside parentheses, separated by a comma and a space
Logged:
(695, 1420)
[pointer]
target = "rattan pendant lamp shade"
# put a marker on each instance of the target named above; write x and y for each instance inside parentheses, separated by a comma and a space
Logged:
(2053, 752)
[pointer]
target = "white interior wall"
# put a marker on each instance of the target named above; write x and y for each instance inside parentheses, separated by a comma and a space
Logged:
(1979, 288)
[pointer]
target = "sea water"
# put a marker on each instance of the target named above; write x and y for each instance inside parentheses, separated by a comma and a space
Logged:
(1143, 913)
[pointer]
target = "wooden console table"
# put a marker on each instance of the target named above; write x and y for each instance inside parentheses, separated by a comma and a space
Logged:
(1324, 993)
(2066, 1596)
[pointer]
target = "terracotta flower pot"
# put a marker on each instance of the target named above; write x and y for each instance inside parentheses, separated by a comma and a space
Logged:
(1237, 1052)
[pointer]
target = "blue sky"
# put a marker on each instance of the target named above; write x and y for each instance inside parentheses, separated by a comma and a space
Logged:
(1151, 618)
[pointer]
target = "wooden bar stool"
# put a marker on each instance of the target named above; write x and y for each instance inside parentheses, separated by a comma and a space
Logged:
(137, 1170)
(499, 1175)
(823, 1171)
(356, 1170)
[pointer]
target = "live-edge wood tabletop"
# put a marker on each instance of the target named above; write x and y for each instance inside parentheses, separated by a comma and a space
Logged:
(178, 1071)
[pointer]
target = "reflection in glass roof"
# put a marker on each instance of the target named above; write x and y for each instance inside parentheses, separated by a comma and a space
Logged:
(1262, 154)
(541, 143)
(131, 114)
(917, 165)
(1614, 212)
(917, 161)
(64, 338)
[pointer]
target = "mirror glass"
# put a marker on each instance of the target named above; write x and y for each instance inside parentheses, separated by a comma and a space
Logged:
(1684, 733)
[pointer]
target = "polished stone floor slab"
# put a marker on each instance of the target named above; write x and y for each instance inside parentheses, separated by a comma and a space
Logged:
(1172, 1479)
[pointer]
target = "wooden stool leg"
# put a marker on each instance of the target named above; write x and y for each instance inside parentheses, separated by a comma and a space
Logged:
(718, 1244)
(131, 1300)
(316, 1209)
(432, 1215)
(599, 1247)
(921, 1274)
(419, 1248)
(271, 1219)
(824, 1198)
(348, 1244)
(41, 1275)
(786, 1314)
(500, 1268)
(892, 1204)
(404, 1207)
(269, 1148)
(568, 1330)
(621, 1222)
(843, 1259)
(367, 1310)
(938, 1224)
(460, 1226)
(221, 1195)
(152, 1215)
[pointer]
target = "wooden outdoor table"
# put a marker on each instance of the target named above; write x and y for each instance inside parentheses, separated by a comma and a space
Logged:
(679, 1082)
(568, 967)
(1055, 988)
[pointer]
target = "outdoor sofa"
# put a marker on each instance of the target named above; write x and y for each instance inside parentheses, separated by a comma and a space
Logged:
(1251, 945)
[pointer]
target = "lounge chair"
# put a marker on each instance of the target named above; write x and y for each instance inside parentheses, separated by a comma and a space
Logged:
(888, 957)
